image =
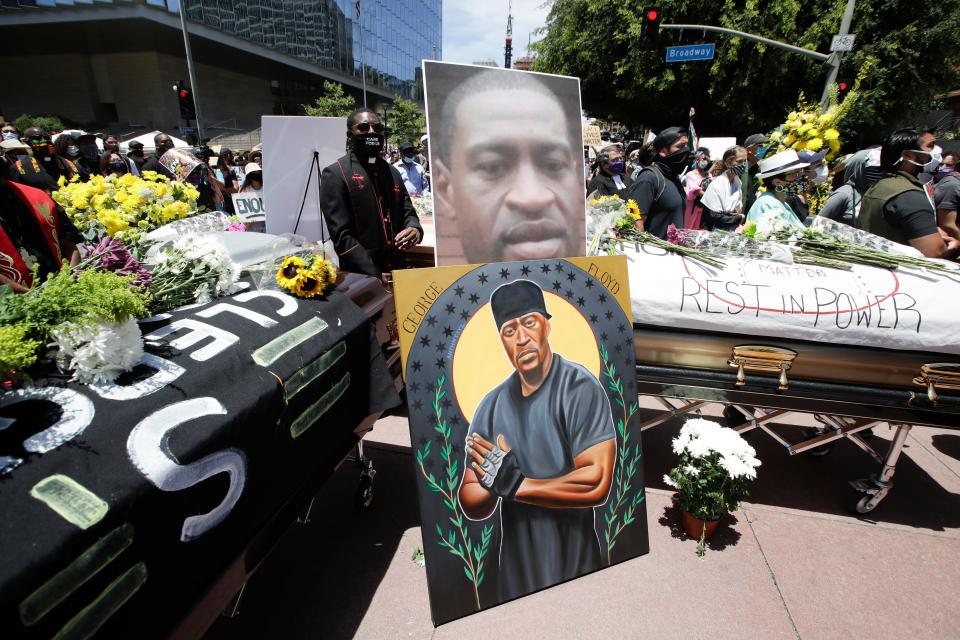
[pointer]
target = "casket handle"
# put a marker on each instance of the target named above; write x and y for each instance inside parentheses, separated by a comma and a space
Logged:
(938, 375)
(762, 359)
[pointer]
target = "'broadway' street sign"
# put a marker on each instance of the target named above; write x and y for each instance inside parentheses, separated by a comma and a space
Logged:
(690, 52)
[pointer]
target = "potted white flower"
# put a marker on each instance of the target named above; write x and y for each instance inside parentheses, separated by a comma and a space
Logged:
(712, 474)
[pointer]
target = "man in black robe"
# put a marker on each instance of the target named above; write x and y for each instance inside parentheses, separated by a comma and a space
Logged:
(367, 208)
(542, 445)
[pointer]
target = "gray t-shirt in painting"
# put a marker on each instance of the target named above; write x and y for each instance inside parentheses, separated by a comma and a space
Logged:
(568, 414)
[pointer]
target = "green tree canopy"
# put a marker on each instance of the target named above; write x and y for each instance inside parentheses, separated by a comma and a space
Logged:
(749, 86)
(334, 102)
(406, 122)
(47, 123)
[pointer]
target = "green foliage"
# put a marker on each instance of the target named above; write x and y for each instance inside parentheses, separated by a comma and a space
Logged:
(334, 102)
(17, 351)
(61, 298)
(48, 123)
(705, 488)
(406, 122)
(621, 506)
(456, 540)
(749, 86)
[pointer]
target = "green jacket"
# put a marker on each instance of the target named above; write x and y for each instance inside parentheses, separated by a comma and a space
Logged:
(875, 199)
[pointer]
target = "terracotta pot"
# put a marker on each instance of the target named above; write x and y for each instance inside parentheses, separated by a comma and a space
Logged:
(695, 526)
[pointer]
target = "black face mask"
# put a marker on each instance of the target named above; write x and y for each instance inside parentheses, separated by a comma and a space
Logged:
(162, 149)
(367, 145)
(676, 161)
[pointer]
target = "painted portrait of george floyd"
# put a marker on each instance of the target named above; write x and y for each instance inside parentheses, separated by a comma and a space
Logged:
(506, 158)
(523, 421)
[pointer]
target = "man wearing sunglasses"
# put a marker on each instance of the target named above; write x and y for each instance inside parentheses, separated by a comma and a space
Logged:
(365, 203)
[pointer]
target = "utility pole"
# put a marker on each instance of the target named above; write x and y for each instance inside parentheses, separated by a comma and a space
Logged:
(834, 61)
(190, 71)
(508, 47)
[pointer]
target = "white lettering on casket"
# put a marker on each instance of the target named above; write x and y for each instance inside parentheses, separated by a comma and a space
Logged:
(222, 340)
(149, 451)
(78, 412)
(253, 316)
(166, 372)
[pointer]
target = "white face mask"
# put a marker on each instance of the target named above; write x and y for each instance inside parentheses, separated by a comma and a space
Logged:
(930, 166)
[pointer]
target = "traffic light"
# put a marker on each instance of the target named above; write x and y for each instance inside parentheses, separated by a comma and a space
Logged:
(843, 87)
(185, 99)
(650, 29)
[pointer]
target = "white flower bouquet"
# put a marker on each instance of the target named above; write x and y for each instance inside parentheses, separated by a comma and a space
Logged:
(714, 467)
(195, 269)
(98, 350)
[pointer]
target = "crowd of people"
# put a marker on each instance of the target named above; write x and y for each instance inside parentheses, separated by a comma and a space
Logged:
(906, 190)
(38, 159)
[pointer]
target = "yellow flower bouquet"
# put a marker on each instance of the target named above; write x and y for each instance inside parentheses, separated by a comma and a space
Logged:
(126, 206)
(306, 277)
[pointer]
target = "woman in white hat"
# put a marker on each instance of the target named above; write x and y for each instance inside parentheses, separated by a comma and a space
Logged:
(781, 175)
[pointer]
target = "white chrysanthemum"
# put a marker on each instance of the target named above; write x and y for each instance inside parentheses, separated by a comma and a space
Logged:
(669, 481)
(99, 351)
(700, 438)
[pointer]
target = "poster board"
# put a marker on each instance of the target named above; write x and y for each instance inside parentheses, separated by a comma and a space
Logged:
(506, 161)
(289, 143)
(591, 136)
(459, 373)
(249, 206)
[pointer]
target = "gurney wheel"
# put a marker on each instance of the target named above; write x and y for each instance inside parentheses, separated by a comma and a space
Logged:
(822, 450)
(363, 498)
(860, 503)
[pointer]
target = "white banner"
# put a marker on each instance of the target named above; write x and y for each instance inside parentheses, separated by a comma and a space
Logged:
(249, 206)
(904, 309)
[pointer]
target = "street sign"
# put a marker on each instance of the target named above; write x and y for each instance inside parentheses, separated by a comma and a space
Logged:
(842, 42)
(690, 52)
(187, 129)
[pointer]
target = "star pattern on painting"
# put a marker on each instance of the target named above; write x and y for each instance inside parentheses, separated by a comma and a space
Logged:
(556, 285)
(559, 267)
(416, 364)
(525, 270)
(441, 347)
(602, 298)
(458, 291)
(417, 405)
(504, 274)
(608, 315)
(450, 308)
(593, 318)
(415, 386)
(474, 298)
(581, 301)
(588, 283)
(448, 331)
(545, 268)
(424, 341)
(431, 320)
(571, 277)
(441, 364)
(464, 315)
(569, 293)
(445, 403)
(483, 278)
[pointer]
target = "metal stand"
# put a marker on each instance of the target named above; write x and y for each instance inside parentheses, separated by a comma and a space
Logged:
(818, 441)
(363, 497)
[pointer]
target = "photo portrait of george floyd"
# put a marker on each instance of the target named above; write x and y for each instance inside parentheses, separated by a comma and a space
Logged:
(524, 425)
(506, 157)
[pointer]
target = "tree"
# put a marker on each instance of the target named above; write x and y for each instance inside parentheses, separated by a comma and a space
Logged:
(47, 123)
(334, 102)
(749, 87)
(406, 122)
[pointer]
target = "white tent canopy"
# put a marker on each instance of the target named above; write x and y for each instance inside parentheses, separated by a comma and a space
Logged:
(146, 140)
(76, 133)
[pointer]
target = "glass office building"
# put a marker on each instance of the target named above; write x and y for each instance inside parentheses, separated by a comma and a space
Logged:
(397, 34)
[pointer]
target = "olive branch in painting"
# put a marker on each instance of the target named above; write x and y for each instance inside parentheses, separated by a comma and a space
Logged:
(621, 505)
(457, 539)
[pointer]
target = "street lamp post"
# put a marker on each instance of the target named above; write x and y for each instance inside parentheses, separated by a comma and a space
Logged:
(190, 71)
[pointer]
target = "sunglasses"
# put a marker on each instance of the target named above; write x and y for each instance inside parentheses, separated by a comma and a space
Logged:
(366, 127)
(39, 141)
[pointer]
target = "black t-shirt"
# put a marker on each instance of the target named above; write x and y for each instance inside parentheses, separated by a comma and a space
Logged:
(660, 198)
(21, 226)
(546, 430)
(153, 164)
(911, 211)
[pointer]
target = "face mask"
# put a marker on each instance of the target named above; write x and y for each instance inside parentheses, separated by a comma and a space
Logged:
(762, 151)
(676, 161)
(117, 166)
(616, 167)
(367, 145)
(821, 176)
(9, 135)
(41, 150)
(73, 150)
(738, 169)
(702, 164)
(791, 188)
(407, 160)
(162, 149)
(195, 179)
(930, 166)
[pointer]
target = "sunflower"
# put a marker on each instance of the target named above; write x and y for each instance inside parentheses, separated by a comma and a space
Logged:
(309, 284)
(290, 272)
(633, 209)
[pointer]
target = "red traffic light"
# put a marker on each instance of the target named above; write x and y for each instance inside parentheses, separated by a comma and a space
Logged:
(652, 15)
(183, 93)
(843, 86)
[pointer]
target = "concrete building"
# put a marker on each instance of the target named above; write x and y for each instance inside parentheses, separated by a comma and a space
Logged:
(112, 65)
